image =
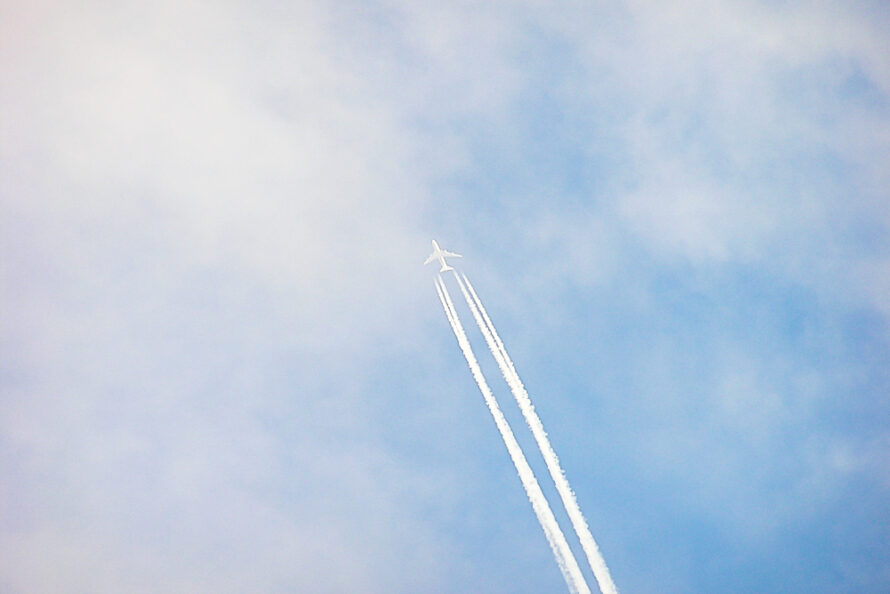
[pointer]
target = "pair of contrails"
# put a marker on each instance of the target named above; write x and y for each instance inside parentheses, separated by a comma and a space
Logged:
(565, 559)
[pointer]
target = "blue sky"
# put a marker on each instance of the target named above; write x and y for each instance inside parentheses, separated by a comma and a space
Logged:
(223, 369)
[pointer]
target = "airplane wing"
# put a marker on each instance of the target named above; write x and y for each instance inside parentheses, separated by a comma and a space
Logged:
(430, 259)
(451, 254)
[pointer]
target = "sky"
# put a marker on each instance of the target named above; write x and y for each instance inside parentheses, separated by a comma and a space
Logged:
(223, 367)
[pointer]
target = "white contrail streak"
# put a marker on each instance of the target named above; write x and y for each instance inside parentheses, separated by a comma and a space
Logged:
(561, 551)
(594, 557)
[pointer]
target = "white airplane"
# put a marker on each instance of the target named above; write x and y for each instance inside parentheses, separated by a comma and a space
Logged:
(440, 254)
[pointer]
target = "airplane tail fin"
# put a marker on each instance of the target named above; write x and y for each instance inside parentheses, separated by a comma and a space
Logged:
(446, 268)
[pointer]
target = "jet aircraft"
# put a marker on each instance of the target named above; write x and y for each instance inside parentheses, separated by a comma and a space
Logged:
(440, 255)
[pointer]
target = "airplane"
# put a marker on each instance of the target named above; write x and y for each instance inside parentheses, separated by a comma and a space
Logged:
(440, 254)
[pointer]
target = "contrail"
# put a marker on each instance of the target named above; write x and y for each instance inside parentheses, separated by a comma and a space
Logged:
(594, 557)
(561, 551)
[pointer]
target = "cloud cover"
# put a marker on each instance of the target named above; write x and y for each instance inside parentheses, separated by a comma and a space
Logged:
(212, 221)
